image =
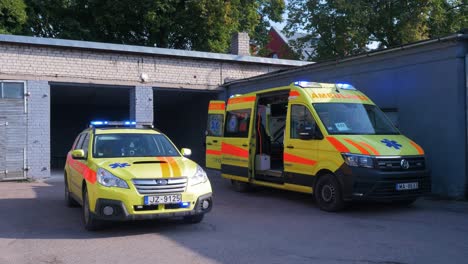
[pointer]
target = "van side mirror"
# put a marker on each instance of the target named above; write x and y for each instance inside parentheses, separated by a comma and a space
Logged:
(310, 132)
(78, 154)
(186, 152)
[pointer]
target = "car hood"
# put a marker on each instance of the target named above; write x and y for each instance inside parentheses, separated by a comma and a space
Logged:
(377, 145)
(149, 167)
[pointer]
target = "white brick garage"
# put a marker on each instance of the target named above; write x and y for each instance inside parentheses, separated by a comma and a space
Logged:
(61, 69)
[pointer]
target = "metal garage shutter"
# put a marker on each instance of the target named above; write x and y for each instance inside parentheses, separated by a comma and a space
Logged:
(13, 128)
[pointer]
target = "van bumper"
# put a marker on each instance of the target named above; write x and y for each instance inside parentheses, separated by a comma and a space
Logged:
(378, 185)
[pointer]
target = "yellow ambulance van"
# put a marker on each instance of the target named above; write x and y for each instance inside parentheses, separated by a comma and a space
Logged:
(326, 139)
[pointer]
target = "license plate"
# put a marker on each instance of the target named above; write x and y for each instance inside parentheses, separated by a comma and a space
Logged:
(407, 186)
(163, 199)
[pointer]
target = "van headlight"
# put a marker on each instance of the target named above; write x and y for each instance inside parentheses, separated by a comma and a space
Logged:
(359, 160)
(198, 177)
(108, 179)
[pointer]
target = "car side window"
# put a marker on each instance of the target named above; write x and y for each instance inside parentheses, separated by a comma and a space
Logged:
(79, 142)
(301, 119)
(85, 144)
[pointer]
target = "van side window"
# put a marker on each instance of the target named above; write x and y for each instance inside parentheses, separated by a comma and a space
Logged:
(237, 123)
(215, 125)
(301, 119)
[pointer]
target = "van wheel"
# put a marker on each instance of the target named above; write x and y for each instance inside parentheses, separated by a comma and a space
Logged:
(328, 194)
(240, 186)
(193, 219)
(69, 201)
(89, 220)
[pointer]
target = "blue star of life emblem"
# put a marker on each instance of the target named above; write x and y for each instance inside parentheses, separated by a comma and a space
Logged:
(391, 143)
(118, 165)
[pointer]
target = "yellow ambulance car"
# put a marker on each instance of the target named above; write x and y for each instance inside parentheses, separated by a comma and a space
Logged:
(322, 138)
(127, 171)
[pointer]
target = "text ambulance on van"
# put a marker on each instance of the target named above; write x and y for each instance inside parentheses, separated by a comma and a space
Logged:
(321, 138)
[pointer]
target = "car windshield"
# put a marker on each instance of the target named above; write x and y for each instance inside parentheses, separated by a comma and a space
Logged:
(354, 119)
(132, 145)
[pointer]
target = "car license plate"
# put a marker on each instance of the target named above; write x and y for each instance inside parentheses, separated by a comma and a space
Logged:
(407, 186)
(163, 199)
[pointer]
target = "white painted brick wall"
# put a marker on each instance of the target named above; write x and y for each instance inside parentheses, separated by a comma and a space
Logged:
(141, 104)
(83, 66)
(38, 143)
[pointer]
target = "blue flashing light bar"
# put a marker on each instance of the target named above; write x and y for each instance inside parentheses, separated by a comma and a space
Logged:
(345, 86)
(305, 84)
(102, 123)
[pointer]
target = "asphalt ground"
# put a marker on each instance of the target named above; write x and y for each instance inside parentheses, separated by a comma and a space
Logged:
(264, 226)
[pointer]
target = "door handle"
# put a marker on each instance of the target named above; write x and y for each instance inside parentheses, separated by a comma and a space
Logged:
(245, 145)
(215, 141)
(209, 144)
(290, 147)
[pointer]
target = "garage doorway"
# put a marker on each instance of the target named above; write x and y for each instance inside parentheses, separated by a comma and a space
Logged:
(73, 106)
(182, 115)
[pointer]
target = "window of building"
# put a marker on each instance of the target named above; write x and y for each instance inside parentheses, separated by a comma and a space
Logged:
(11, 90)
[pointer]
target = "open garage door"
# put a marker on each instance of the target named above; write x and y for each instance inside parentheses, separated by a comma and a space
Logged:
(74, 106)
(182, 115)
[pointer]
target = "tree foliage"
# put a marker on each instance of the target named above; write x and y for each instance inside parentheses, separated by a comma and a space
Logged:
(205, 25)
(347, 27)
(12, 16)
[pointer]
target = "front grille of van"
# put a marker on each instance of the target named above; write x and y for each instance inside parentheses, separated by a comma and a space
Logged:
(160, 186)
(394, 164)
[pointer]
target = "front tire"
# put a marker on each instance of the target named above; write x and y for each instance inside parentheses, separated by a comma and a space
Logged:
(328, 194)
(193, 219)
(89, 220)
(69, 201)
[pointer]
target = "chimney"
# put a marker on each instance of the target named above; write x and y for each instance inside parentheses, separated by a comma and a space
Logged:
(240, 44)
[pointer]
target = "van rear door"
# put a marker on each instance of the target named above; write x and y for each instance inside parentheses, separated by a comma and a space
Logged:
(235, 148)
(214, 134)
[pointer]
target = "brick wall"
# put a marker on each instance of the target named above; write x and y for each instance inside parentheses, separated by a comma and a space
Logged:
(38, 146)
(240, 44)
(28, 62)
(141, 104)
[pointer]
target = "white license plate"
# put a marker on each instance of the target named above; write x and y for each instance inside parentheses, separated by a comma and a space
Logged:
(407, 186)
(163, 199)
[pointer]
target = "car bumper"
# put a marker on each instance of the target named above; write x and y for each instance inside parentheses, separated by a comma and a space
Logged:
(378, 185)
(203, 205)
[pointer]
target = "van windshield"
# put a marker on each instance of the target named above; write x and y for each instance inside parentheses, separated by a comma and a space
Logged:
(354, 119)
(132, 145)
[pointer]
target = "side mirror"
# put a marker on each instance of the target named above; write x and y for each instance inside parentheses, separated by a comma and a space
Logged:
(186, 152)
(78, 154)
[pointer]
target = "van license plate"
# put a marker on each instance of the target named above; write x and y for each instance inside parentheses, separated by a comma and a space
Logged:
(163, 199)
(407, 186)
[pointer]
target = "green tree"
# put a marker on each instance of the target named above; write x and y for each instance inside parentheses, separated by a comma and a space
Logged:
(12, 16)
(205, 25)
(347, 27)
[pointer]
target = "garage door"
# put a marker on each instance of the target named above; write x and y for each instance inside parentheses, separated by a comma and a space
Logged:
(13, 128)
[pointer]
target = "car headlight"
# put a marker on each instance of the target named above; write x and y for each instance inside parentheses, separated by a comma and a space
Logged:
(107, 179)
(358, 160)
(198, 177)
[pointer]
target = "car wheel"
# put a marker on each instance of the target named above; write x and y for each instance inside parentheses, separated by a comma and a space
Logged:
(193, 219)
(69, 201)
(240, 186)
(328, 194)
(89, 221)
